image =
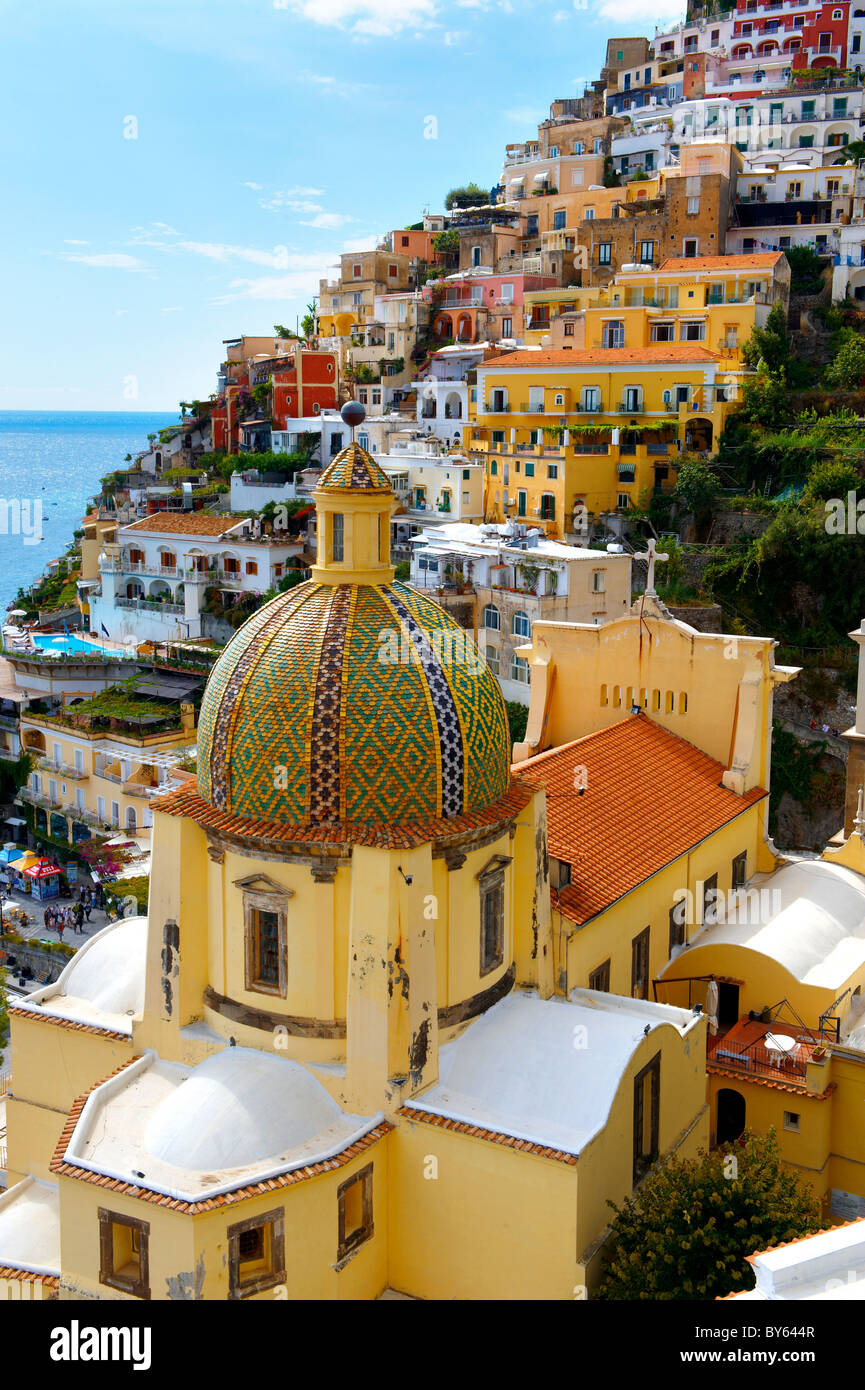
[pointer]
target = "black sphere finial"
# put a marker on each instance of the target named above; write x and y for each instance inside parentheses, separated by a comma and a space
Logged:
(354, 414)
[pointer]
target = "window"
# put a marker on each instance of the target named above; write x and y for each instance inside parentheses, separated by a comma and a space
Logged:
(521, 502)
(605, 252)
(598, 146)
(124, 1253)
(521, 625)
(391, 272)
(623, 501)
(597, 581)
(647, 252)
(600, 978)
(357, 271)
(491, 881)
(251, 567)
(492, 621)
(693, 207)
(792, 1121)
(548, 507)
(552, 471)
(559, 220)
(494, 468)
(569, 330)
(710, 899)
(354, 1197)
(640, 965)
(613, 335)
(647, 1108)
(256, 1254)
(678, 912)
(663, 332)
(689, 247)
(519, 670)
(492, 659)
(693, 332)
(530, 467)
(338, 537)
(739, 873)
(633, 398)
(590, 398)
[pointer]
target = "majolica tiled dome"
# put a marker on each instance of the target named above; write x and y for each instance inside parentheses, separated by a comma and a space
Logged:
(304, 722)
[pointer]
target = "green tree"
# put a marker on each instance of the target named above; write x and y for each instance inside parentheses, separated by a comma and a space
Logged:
(764, 401)
(518, 718)
(847, 368)
(686, 1232)
(443, 242)
(307, 323)
(805, 269)
(832, 478)
(280, 331)
(402, 570)
(697, 487)
(769, 347)
(468, 196)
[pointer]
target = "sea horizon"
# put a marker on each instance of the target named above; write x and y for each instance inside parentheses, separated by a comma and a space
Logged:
(51, 463)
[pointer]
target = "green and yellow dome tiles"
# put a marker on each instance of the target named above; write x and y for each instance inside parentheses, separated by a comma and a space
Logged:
(352, 703)
(354, 470)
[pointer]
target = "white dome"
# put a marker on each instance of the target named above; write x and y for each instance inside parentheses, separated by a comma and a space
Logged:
(109, 972)
(237, 1108)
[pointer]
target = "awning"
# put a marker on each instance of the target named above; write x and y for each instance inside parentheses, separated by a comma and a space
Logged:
(13, 820)
(147, 756)
(41, 870)
(166, 687)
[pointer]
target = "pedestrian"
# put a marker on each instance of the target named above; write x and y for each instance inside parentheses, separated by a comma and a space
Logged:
(88, 903)
(79, 917)
(99, 896)
(49, 918)
(60, 925)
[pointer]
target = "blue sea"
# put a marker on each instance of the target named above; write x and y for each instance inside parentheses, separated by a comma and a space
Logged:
(56, 458)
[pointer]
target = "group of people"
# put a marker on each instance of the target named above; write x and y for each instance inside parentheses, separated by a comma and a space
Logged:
(73, 918)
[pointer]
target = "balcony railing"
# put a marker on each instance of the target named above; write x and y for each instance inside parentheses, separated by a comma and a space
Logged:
(150, 605)
(61, 769)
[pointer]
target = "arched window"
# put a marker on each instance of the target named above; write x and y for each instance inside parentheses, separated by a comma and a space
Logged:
(492, 659)
(519, 670)
(521, 625)
(492, 621)
(560, 400)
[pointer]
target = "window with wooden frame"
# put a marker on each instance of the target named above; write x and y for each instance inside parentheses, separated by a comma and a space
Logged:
(647, 1114)
(739, 874)
(256, 1254)
(710, 899)
(678, 914)
(265, 912)
(600, 978)
(640, 965)
(356, 1226)
(491, 881)
(124, 1261)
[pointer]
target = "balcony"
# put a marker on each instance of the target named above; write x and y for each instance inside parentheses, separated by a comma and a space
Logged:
(148, 605)
(142, 789)
(39, 799)
(61, 769)
(774, 1051)
(9, 721)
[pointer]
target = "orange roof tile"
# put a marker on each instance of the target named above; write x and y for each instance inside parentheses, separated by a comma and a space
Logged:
(619, 833)
(755, 260)
(186, 524)
(493, 1136)
(656, 355)
(793, 1088)
(185, 801)
(21, 1011)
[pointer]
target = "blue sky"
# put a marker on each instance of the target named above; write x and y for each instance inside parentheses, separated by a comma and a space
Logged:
(177, 172)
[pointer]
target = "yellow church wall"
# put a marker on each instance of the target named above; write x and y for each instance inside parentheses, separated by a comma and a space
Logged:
(606, 1163)
(51, 1066)
(808, 1150)
(461, 1233)
(188, 1254)
(713, 690)
(609, 936)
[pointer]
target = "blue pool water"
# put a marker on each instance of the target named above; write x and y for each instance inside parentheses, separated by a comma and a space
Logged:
(64, 644)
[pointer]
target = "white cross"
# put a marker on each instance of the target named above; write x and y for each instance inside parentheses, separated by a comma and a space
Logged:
(652, 555)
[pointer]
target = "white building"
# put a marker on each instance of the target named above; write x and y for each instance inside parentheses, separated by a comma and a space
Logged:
(443, 394)
(329, 427)
(514, 578)
(433, 487)
(828, 1265)
(154, 577)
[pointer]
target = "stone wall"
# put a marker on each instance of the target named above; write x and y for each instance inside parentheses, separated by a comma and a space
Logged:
(705, 618)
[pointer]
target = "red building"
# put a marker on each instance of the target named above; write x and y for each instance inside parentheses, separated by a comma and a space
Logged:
(304, 382)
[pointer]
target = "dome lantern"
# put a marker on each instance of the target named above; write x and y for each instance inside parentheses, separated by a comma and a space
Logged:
(354, 501)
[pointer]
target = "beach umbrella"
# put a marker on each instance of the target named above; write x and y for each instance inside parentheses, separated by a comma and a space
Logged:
(17, 612)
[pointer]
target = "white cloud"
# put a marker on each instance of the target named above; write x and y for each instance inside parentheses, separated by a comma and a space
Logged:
(328, 221)
(109, 260)
(70, 241)
(173, 309)
(454, 37)
(301, 281)
(561, 17)
(361, 243)
(256, 186)
(220, 251)
(373, 18)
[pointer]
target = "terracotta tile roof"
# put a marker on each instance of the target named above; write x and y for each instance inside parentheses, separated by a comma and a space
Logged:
(755, 260)
(24, 1276)
(656, 355)
(800, 1240)
(185, 801)
(22, 1012)
(618, 833)
(59, 1165)
(753, 1078)
(424, 1117)
(185, 524)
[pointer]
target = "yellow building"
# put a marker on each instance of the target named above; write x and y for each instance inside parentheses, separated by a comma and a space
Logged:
(99, 763)
(337, 1052)
(598, 430)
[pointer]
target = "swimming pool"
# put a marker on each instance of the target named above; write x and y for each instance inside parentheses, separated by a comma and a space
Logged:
(66, 642)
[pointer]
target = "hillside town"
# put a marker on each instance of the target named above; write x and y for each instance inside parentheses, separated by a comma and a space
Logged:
(445, 744)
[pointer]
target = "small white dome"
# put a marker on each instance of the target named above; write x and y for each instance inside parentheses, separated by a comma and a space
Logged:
(238, 1108)
(109, 972)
